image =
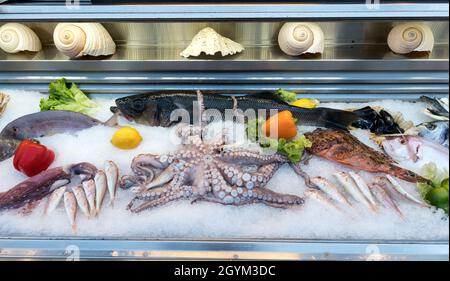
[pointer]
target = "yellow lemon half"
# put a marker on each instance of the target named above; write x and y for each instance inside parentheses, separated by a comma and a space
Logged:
(126, 138)
(306, 103)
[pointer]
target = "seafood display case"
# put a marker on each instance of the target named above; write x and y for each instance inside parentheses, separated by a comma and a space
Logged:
(346, 54)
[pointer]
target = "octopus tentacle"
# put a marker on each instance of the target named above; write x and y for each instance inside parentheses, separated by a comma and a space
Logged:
(157, 201)
(247, 157)
(236, 175)
(129, 181)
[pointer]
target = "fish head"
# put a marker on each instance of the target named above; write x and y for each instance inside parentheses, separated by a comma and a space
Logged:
(399, 148)
(437, 131)
(14, 130)
(7, 148)
(138, 108)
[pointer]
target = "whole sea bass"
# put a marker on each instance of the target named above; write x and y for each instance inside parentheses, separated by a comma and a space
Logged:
(156, 109)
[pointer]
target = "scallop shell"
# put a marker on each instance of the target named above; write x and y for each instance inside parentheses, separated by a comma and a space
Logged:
(210, 42)
(16, 37)
(4, 99)
(83, 39)
(296, 38)
(411, 37)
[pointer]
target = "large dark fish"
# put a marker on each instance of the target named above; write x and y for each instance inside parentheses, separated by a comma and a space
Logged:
(156, 109)
(41, 124)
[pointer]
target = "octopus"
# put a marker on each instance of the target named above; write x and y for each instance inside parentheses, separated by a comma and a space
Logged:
(342, 147)
(205, 171)
(40, 186)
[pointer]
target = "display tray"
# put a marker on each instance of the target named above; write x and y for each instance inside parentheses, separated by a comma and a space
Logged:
(181, 230)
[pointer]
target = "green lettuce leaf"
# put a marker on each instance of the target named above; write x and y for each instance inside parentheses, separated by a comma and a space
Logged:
(63, 98)
(287, 96)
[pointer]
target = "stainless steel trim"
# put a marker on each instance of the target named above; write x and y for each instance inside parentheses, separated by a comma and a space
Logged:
(222, 12)
(26, 249)
(228, 65)
(240, 77)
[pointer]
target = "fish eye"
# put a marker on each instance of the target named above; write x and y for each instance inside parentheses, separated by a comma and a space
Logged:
(138, 105)
(430, 126)
(402, 141)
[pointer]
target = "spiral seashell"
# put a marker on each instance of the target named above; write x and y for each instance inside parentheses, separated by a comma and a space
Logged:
(411, 37)
(296, 38)
(83, 39)
(16, 37)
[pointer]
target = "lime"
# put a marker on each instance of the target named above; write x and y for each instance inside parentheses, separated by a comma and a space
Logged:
(438, 197)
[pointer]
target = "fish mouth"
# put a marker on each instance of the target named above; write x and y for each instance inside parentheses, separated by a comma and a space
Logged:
(116, 110)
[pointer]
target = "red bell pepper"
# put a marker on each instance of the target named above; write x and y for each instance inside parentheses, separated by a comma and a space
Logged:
(31, 158)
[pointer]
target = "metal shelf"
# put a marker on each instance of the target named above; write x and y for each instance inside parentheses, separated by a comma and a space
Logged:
(214, 12)
(90, 249)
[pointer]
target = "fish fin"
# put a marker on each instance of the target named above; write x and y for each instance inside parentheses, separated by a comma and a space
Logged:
(113, 121)
(328, 117)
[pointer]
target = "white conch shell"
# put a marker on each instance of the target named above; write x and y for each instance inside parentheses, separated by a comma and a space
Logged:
(83, 39)
(210, 42)
(411, 37)
(296, 38)
(16, 37)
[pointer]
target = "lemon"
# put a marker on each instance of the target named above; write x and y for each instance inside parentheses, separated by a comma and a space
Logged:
(306, 103)
(126, 138)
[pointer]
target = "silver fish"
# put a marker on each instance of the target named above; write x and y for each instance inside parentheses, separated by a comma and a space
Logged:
(89, 190)
(45, 123)
(70, 203)
(54, 199)
(101, 186)
(384, 198)
(403, 192)
(437, 131)
(81, 200)
(330, 189)
(437, 108)
(364, 189)
(347, 182)
(322, 198)
(112, 176)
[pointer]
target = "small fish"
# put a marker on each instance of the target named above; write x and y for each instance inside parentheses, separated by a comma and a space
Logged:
(70, 203)
(437, 108)
(403, 192)
(437, 131)
(364, 189)
(347, 182)
(322, 198)
(54, 200)
(384, 198)
(330, 189)
(89, 190)
(101, 186)
(4, 99)
(82, 201)
(112, 176)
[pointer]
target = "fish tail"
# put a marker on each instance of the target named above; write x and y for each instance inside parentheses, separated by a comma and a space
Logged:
(408, 175)
(325, 117)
